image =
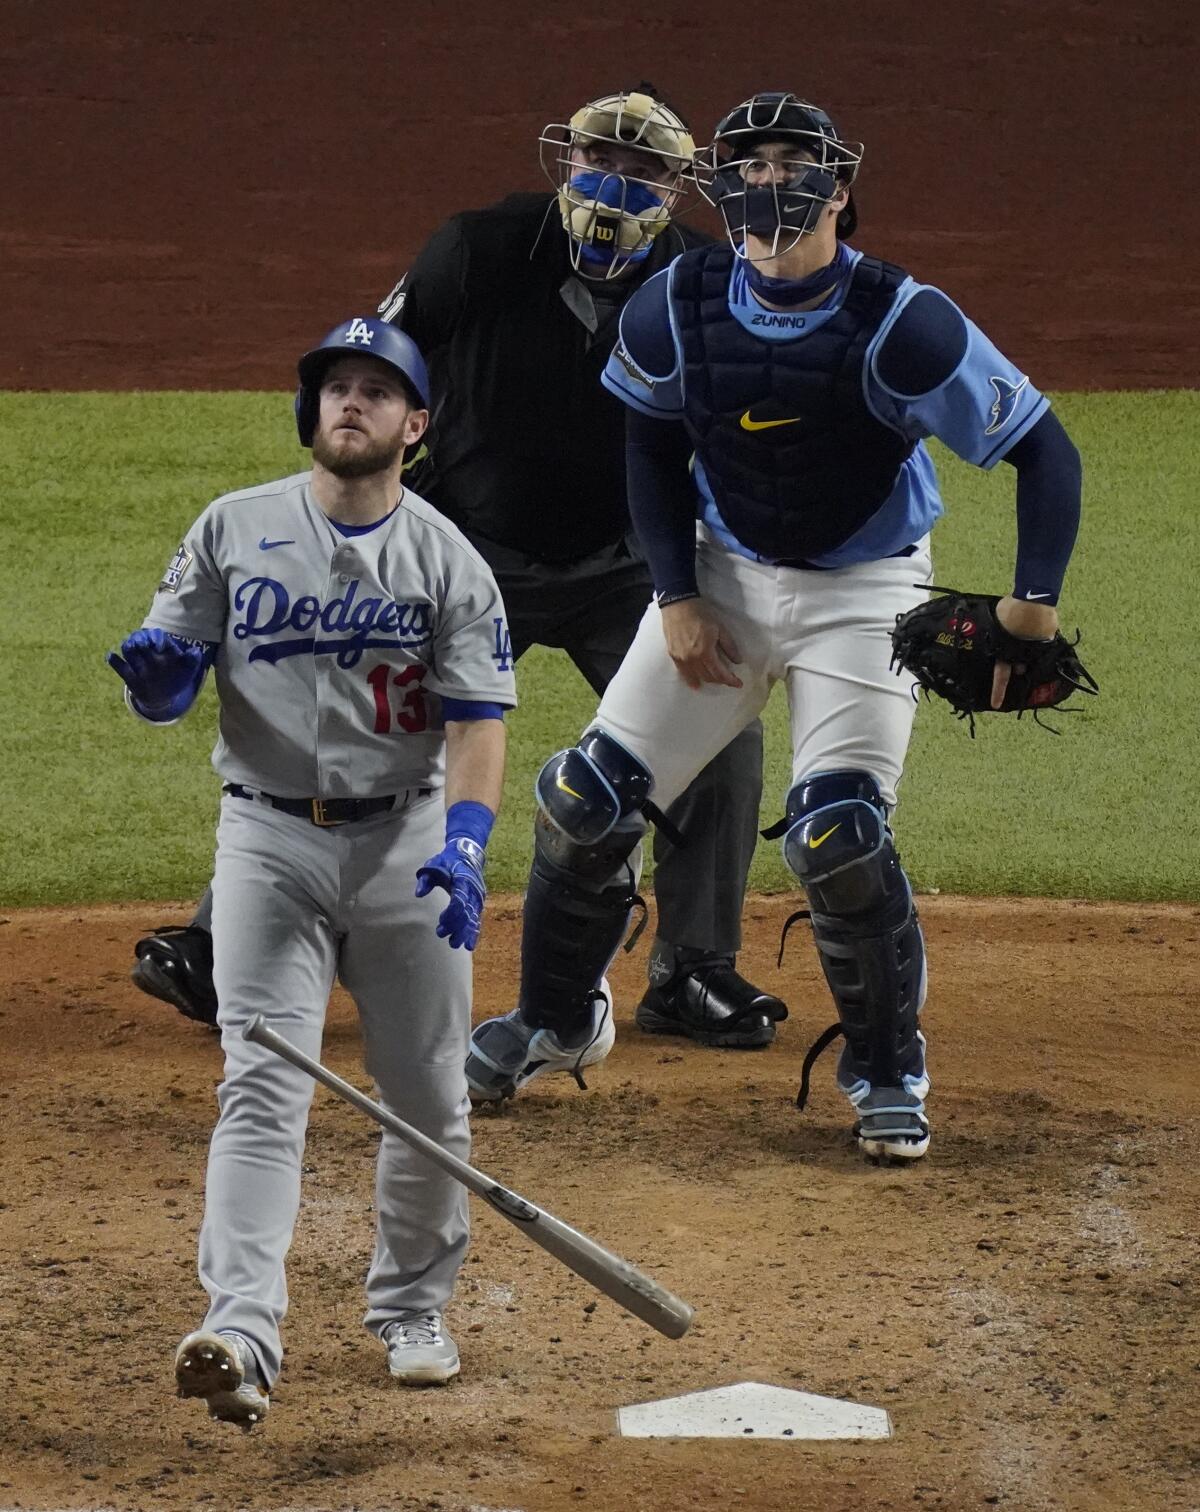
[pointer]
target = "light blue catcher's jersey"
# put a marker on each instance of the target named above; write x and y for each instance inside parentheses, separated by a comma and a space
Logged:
(980, 409)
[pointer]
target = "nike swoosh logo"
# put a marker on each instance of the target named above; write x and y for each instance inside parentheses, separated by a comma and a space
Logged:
(563, 788)
(812, 844)
(756, 425)
(1037, 595)
(265, 545)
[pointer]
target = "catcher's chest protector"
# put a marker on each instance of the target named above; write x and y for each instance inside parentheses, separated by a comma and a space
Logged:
(798, 489)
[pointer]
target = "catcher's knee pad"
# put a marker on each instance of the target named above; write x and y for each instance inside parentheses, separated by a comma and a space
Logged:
(586, 791)
(838, 844)
(584, 878)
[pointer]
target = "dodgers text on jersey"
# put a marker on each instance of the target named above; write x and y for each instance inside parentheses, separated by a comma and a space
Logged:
(353, 625)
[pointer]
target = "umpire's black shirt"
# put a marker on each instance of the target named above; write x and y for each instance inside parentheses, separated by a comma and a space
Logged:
(526, 448)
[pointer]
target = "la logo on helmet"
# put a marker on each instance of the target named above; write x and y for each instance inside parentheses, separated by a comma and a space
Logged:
(359, 331)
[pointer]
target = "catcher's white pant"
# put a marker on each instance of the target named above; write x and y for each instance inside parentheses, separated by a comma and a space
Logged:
(292, 905)
(824, 635)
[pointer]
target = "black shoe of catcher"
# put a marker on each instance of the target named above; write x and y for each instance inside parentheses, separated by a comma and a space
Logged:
(175, 965)
(710, 1003)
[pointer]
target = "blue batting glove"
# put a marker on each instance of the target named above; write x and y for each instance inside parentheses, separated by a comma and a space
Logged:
(163, 672)
(459, 869)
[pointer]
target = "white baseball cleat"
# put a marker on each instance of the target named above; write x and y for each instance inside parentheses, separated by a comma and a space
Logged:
(420, 1351)
(507, 1053)
(221, 1368)
(892, 1124)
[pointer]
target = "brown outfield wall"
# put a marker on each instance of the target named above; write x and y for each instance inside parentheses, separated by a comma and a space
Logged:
(190, 193)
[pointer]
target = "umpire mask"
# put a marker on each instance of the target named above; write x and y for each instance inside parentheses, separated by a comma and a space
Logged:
(618, 166)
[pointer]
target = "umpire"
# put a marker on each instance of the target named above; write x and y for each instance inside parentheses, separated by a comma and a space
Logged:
(516, 308)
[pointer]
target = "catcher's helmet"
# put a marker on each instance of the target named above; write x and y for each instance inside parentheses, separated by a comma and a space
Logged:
(613, 218)
(793, 203)
(364, 336)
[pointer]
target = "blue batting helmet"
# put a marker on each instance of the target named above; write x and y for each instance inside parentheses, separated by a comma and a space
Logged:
(365, 336)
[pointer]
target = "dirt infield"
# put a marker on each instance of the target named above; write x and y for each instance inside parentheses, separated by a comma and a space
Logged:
(190, 195)
(1023, 1303)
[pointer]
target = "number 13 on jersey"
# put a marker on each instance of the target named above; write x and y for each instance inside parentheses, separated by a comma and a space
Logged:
(412, 712)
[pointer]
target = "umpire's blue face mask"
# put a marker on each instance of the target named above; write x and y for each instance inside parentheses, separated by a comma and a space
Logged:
(606, 218)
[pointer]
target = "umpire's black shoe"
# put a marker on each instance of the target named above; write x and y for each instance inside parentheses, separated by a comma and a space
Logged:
(710, 1003)
(175, 965)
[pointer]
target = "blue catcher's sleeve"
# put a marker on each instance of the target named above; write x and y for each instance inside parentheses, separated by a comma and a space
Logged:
(1049, 483)
(644, 367)
(936, 374)
(662, 502)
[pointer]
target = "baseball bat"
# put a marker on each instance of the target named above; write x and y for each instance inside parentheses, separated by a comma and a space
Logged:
(616, 1278)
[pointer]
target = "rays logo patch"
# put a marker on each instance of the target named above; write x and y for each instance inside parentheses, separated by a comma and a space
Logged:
(1004, 404)
(176, 568)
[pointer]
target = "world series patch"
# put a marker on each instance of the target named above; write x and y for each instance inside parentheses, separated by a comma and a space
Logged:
(176, 568)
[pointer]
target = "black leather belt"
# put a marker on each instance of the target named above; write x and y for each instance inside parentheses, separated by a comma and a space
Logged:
(905, 551)
(327, 811)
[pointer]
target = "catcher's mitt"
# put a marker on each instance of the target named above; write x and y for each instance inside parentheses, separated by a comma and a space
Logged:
(951, 646)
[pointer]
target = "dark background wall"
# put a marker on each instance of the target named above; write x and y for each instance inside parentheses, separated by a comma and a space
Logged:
(190, 193)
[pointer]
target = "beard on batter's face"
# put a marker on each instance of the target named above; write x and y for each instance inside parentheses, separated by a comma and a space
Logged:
(346, 458)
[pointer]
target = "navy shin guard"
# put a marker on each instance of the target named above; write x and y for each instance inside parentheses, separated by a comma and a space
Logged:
(575, 917)
(864, 923)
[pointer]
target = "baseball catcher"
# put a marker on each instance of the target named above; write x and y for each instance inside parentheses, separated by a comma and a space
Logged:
(780, 393)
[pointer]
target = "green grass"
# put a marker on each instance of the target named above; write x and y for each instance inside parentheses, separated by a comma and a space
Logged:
(96, 490)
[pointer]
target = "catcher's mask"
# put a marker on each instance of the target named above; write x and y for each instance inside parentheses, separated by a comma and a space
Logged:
(611, 218)
(364, 336)
(777, 202)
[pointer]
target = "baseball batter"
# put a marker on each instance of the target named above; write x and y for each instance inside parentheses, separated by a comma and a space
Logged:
(804, 377)
(354, 635)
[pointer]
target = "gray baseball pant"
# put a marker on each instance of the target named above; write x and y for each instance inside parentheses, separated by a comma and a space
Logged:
(293, 906)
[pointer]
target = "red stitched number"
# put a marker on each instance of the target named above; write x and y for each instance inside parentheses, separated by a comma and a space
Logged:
(412, 714)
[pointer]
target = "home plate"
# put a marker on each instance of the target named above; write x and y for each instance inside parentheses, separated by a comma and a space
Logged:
(751, 1410)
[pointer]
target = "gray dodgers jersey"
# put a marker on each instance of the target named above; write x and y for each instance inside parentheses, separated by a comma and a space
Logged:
(333, 651)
